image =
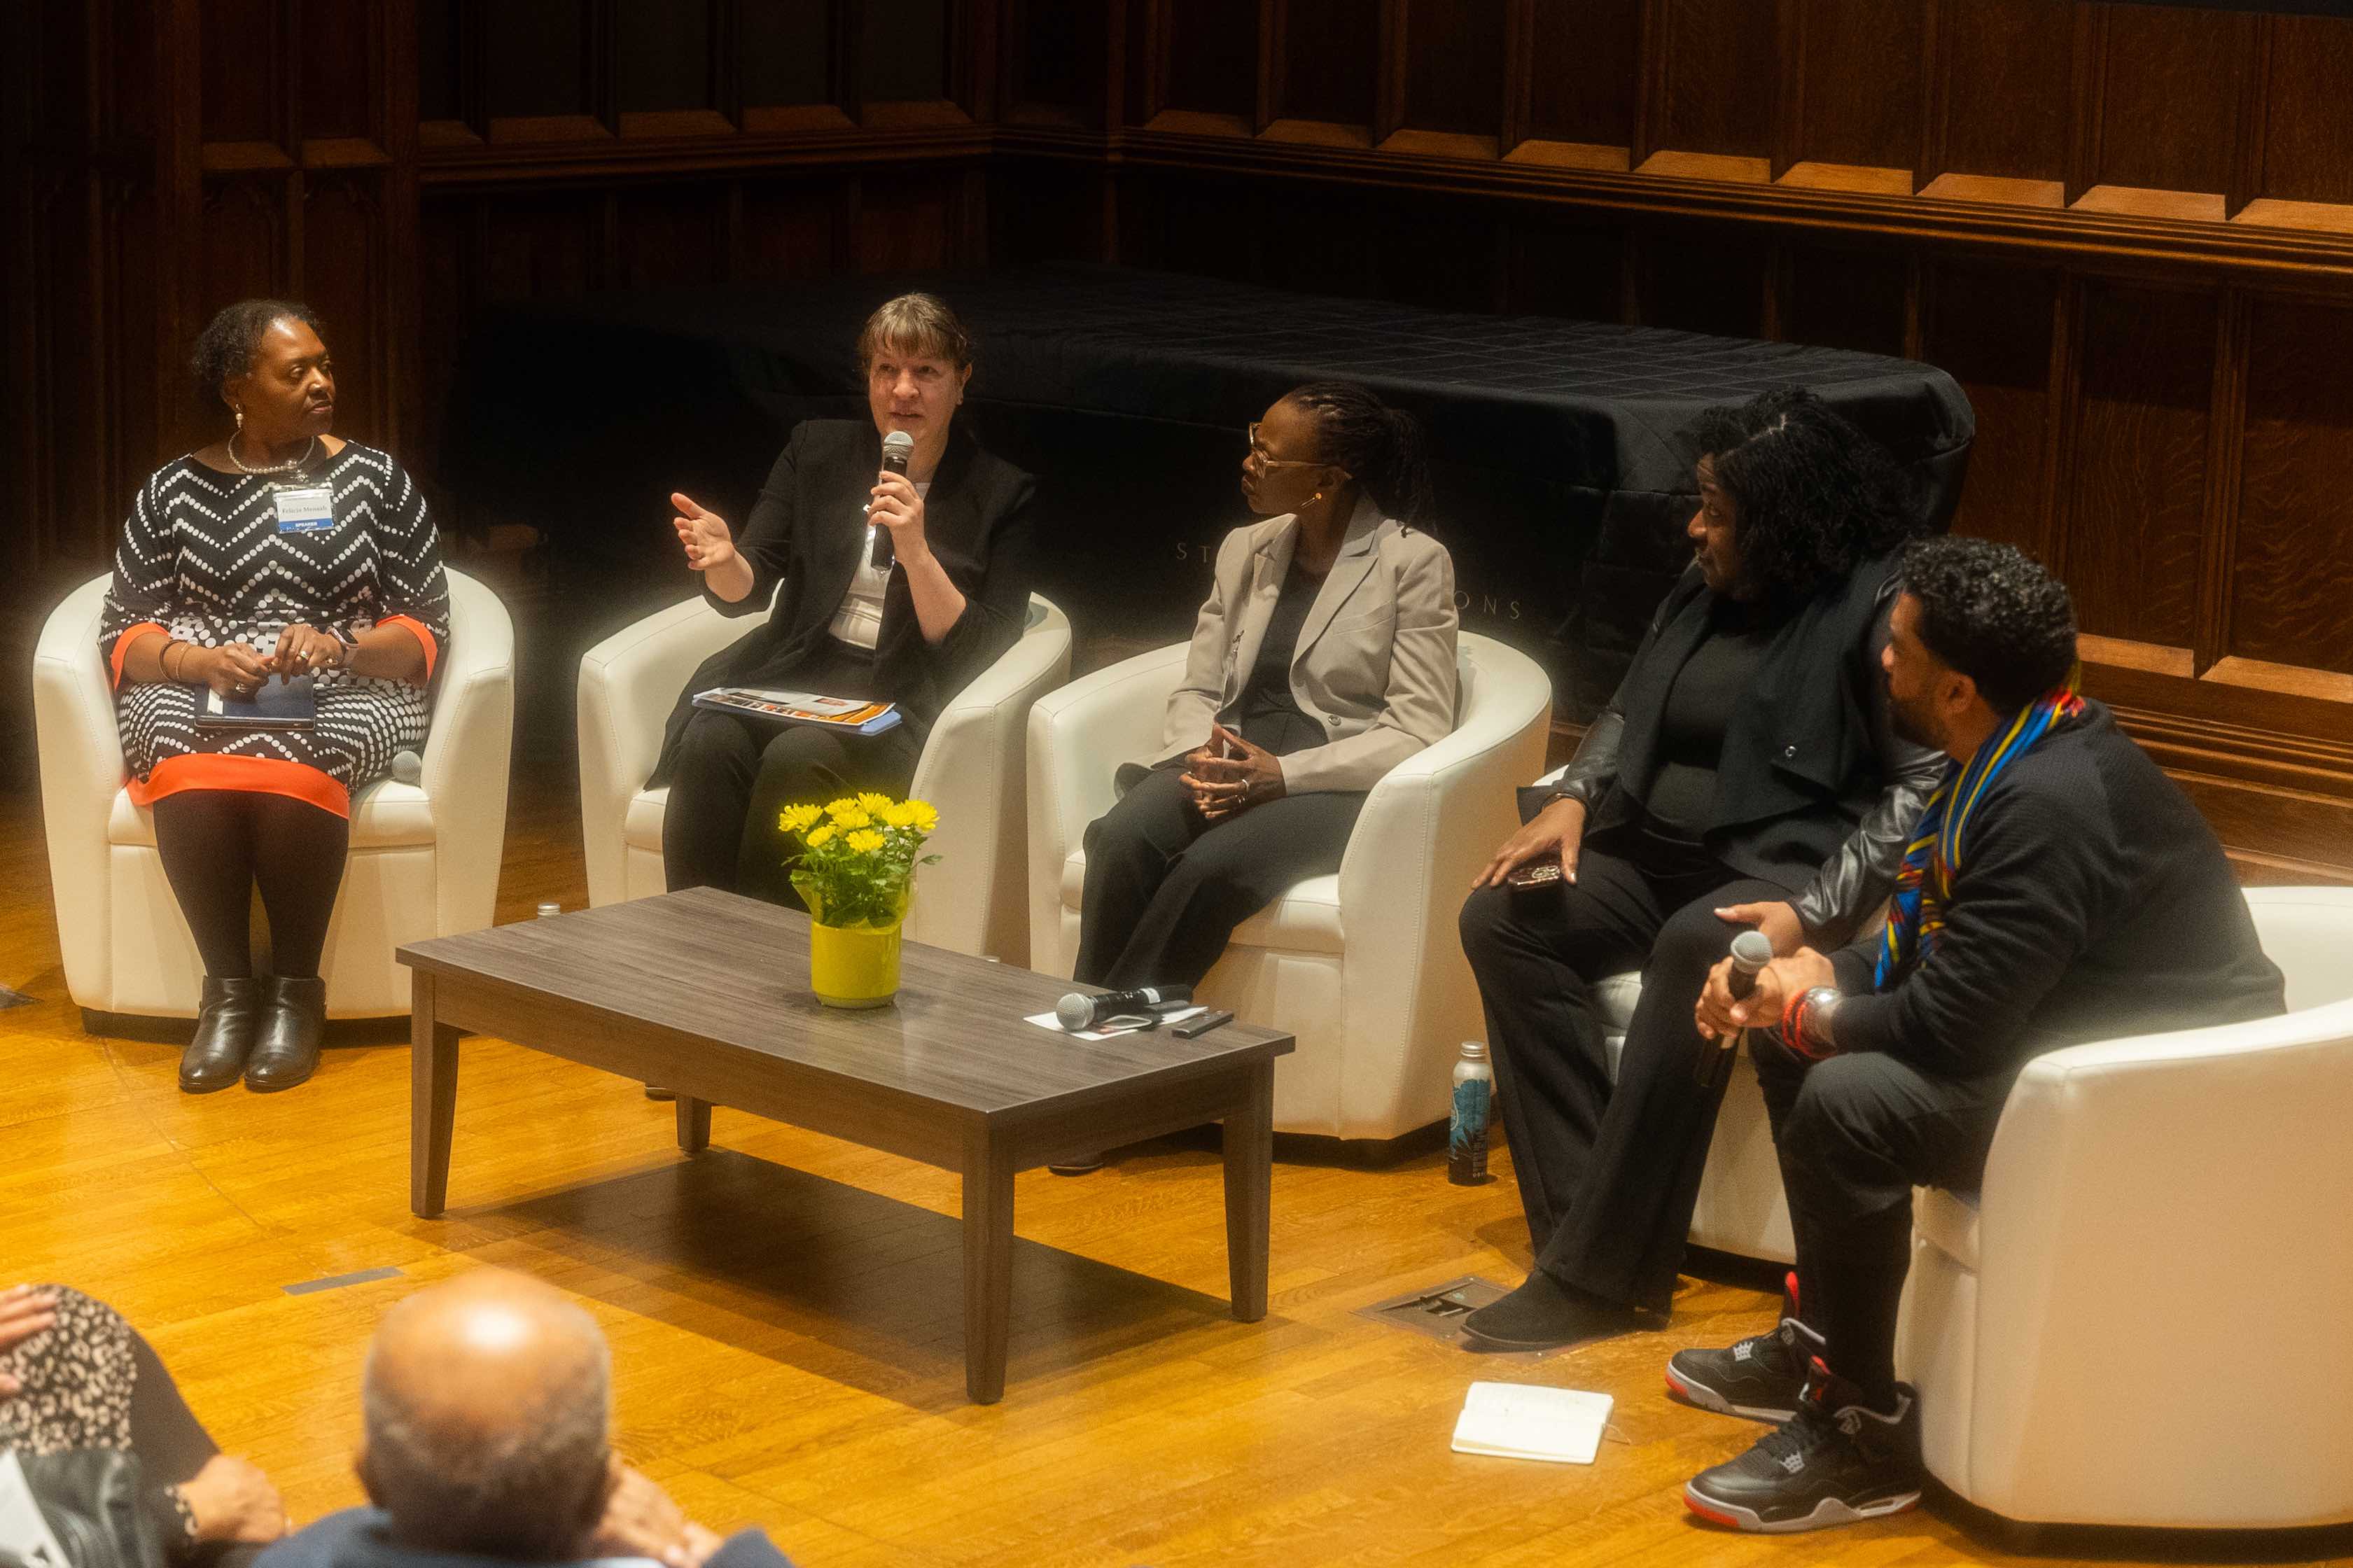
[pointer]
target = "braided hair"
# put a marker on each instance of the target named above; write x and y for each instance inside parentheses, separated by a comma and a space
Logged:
(1380, 447)
(1813, 496)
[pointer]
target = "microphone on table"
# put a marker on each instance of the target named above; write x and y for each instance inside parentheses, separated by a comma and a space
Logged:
(1079, 1011)
(407, 767)
(897, 448)
(1751, 951)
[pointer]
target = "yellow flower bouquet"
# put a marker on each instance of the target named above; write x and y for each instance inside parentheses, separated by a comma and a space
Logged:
(855, 869)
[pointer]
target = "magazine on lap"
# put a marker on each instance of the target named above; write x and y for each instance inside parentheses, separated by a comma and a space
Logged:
(854, 714)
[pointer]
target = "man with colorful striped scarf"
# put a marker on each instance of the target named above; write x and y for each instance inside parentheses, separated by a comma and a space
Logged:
(2059, 889)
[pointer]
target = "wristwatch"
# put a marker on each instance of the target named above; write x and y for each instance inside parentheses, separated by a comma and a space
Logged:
(1817, 1012)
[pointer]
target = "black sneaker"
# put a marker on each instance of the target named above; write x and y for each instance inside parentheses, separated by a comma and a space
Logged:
(1760, 1377)
(1836, 1462)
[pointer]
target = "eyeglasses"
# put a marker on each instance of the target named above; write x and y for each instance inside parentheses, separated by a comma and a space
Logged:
(1257, 454)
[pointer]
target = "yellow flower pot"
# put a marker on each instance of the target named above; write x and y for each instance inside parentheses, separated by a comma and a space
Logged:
(853, 965)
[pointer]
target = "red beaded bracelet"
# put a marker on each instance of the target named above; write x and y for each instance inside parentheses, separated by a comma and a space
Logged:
(1793, 1025)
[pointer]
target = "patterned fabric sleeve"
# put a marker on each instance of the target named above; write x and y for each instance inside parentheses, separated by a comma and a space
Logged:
(416, 590)
(146, 579)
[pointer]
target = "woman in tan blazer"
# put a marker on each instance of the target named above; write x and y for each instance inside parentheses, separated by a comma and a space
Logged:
(1323, 658)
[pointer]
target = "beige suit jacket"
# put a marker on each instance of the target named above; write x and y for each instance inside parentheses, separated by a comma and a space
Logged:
(1375, 664)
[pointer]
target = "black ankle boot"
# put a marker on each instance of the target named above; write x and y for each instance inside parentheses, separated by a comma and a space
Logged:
(292, 1026)
(225, 1026)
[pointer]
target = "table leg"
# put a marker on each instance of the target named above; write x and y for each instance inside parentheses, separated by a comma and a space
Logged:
(693, 1124)
(1250, 1192)
(987, 1265)
(432, 1099)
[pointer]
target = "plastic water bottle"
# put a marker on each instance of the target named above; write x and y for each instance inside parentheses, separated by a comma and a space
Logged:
(1466, 1133)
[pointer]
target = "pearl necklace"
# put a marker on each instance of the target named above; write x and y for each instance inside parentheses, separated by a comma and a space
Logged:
(287, 467)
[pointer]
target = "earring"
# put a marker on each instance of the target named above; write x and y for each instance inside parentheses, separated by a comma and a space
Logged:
(1316, 496)
(238, 409)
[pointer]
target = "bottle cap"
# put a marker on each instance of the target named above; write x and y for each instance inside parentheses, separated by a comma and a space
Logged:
(547, 910)
(1475, 1050)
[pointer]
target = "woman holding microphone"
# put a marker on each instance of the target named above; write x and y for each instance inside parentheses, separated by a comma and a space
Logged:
(910, 624)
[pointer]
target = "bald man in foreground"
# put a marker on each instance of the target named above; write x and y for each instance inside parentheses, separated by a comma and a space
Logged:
(489, 1404)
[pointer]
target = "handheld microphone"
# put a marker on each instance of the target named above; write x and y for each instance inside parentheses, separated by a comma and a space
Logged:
(407, 767)
(1079, 1011)
(1751, 951)
(897, 448)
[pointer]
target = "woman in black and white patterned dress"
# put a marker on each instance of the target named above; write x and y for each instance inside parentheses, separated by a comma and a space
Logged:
(280, 552)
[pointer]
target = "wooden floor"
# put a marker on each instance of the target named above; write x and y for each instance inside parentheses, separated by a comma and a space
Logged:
(784, 1310)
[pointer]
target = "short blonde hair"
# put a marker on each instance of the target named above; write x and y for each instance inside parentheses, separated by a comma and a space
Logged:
(915, 323)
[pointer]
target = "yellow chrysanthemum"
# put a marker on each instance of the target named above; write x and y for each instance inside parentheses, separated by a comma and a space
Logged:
(927, 815)
(872, 802)
(898, 814)
(837, 809)
(819, 835)
(798, 818)
(856, 816)
(865, 840)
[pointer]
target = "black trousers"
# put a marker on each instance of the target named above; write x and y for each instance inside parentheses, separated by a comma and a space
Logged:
(1855, 1135)
(734, 776)
(1609, 1173)
(1166, 888)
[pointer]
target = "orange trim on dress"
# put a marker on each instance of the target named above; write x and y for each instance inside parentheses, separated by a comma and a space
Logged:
(256, 775)
(424, 637)
(122, 641)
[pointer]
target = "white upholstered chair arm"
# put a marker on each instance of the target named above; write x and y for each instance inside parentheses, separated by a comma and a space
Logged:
(467, 745)
(2187, 1191)
(1078, 737)
(973, 770)
(81, 769)
(1426, 828)
(629, 683)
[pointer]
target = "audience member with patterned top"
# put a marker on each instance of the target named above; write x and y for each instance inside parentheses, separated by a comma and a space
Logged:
(76, 1378)
(278, 554)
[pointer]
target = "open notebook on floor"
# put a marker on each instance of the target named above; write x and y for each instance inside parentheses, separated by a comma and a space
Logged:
(1528, 1421)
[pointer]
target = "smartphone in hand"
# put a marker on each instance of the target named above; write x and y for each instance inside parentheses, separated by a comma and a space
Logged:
(1534, 875)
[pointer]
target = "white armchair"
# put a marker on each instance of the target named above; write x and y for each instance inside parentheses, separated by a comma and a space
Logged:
(424, 857)
(1365, 966)
(2141, 1318)
(972, 902)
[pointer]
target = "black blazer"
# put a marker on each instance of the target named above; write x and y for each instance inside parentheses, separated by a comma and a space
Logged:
(1814, 792)
(806, 531)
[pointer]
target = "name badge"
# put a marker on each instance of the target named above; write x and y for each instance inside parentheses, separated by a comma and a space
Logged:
(308, 509)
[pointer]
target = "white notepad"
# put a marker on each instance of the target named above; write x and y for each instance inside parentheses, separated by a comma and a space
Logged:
(1527, 1421)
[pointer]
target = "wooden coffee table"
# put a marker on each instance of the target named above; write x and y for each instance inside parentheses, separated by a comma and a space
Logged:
(707, 993)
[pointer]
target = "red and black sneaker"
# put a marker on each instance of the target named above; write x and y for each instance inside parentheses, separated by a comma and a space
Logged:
(1760, 1377)
(1836, 1462)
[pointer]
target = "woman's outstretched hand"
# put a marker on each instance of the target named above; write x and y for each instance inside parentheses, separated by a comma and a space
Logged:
(708, 541)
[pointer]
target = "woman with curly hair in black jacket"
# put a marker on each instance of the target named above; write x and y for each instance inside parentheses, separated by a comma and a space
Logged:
(1744, 775)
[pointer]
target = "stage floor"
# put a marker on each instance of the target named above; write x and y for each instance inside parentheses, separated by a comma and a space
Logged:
(786, 1311)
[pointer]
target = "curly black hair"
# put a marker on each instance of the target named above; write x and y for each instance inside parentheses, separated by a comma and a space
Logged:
(224, 349)
(1813, 497)
(1380, 447)
(1993, 613)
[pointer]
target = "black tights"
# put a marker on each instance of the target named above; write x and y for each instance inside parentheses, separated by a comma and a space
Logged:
(219, 845)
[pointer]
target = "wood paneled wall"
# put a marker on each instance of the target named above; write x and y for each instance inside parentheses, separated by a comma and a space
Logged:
(2126, 230)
